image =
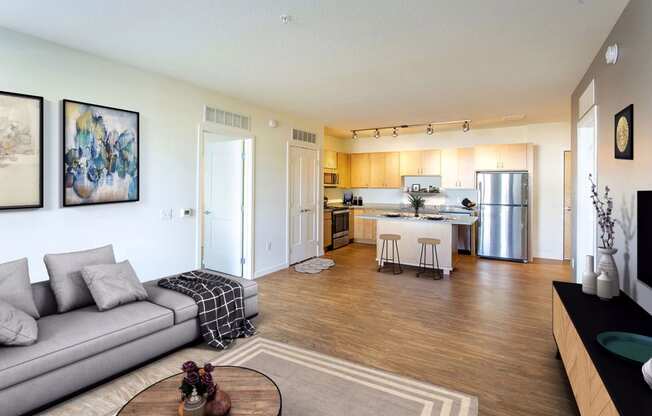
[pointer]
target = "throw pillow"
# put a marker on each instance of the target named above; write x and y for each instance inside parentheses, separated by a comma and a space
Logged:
(112, 285)
(16, 327)
(15, 287)
(66, 280)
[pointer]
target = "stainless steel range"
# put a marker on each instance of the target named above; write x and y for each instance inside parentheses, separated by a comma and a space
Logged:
(340, 227)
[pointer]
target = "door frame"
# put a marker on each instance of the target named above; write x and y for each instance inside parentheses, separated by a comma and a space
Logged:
(576, 256)
(248, 232)
(319, 209)
(564, 225)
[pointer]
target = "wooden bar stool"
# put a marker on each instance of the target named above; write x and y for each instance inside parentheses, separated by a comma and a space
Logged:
(384, 252)
(423, 257)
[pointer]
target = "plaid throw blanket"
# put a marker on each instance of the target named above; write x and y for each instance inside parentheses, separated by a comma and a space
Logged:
(221, 305)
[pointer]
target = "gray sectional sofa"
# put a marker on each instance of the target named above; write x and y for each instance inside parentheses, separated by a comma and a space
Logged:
(84, 346)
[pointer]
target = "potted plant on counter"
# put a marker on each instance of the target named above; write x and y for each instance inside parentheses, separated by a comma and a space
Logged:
(416, 202)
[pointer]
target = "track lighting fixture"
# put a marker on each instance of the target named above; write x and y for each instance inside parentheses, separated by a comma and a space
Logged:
(430, 127)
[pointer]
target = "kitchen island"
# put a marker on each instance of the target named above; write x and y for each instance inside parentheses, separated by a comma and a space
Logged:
(411, 228)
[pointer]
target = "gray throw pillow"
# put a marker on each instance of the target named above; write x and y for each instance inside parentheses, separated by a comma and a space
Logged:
(66, 280)
(15, 287)
(113, 284)
(16, 327)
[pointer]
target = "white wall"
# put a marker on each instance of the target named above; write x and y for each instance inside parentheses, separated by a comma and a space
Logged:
(550, 140)
(170, 112)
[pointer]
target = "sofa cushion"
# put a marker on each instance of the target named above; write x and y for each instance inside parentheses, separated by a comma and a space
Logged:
(112, 285)
(66, 280)
(15, 287)
(70, 337)
(44, 298)
(16, 327)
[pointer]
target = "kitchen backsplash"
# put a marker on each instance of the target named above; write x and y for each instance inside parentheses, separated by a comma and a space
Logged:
(397, 196)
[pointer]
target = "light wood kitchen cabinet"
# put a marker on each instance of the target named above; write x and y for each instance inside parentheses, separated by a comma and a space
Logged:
(458, 168)
(344, 170)
(377, 170)
(360, 170)
(501, 157)
(351, 224)
(410, 163)
(364, 230)
(431, 162)
(392, 170)
(328, 228)
(330, 159)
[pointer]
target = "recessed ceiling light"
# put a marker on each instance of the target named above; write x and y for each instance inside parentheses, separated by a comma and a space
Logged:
(395, 132)
(377, 134)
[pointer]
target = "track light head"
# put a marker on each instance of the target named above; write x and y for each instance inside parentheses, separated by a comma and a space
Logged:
(466, 126)
(430, 130)
(395, 132)
(354, 135)
(377, 134)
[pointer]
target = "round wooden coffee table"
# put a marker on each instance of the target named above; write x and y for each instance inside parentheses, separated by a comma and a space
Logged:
(251, 392)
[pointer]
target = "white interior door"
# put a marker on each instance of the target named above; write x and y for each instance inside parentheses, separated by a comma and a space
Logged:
(584, 213)
(303, 171)
(223, 204)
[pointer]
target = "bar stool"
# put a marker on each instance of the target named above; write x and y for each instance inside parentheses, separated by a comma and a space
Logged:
(423, 257)
(384, 252)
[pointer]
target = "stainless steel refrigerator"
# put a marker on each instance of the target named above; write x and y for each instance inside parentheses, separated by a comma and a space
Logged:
(503, 215)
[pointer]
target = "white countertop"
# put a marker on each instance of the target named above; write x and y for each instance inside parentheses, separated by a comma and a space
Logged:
(448, 219)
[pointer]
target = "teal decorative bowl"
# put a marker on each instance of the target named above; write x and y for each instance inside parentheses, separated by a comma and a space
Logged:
(631, 346)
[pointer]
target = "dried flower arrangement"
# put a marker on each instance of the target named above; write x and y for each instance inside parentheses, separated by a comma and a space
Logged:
(200, 379)
(604, 210)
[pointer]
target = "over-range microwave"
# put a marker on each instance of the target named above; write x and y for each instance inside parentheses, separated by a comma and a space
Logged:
(331, 179)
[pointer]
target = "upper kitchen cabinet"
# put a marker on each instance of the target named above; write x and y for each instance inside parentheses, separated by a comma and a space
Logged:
(410, 163)
(377, 170)
(360, 170)
(501, 157)
(392, 170)
(431, 162)
(458, 168)
(330, 159)
(344, 170)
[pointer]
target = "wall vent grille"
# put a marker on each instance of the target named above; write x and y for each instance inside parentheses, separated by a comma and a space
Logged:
(226, 118)
(304, 136)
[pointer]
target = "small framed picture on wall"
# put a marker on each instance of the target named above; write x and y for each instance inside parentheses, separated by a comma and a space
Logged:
(624, 134)
(416, 187)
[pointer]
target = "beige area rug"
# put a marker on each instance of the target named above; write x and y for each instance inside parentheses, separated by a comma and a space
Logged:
(314, 266)
(311, 384)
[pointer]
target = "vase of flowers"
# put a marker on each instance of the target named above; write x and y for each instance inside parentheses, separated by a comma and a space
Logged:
(198, 383)
(416, 202)
(604, 211)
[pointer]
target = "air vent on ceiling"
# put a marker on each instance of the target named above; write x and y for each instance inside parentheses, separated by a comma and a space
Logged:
(304, 136)
(226, 118)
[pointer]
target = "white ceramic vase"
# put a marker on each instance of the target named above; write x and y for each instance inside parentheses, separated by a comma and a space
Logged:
(647, 372)
(607, 265)
(589, 278)
(604, 286)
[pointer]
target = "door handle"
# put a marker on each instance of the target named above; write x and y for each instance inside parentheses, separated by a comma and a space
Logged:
(207, 212)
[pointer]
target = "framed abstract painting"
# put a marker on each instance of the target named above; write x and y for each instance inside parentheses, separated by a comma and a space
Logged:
(21, 151)
(100, 154)
(624, 133)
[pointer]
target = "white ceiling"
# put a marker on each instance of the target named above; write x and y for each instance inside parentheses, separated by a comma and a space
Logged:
(349, 64)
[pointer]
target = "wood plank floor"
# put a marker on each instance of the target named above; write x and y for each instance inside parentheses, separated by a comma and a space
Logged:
(485, 331)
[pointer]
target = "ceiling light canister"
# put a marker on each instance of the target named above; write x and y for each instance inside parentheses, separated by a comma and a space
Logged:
(466, 126)
(395, 132)
(430, 130)
(355, 135)
(377, 134)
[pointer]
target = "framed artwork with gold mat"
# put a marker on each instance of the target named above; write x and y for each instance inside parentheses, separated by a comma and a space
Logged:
(624, 134)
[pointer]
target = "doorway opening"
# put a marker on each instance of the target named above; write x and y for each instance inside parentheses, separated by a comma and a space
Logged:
(585, 218)
(303, 206)
(225, 225)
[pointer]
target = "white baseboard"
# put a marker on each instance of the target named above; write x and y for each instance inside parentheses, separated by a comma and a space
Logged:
(268, 270)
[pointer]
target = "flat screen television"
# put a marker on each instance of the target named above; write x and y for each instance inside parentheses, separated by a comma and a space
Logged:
(644, 236)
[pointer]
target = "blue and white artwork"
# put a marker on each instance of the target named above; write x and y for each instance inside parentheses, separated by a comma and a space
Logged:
(101, 147)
